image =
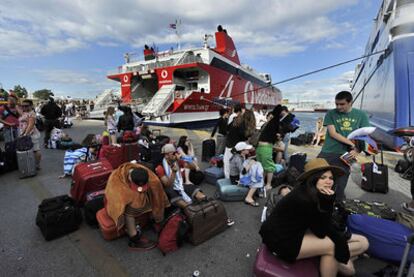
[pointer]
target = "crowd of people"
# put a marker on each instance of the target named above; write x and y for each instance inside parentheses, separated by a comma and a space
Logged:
(253, 143)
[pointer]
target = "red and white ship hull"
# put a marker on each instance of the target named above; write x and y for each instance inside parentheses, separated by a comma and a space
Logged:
(188, 87)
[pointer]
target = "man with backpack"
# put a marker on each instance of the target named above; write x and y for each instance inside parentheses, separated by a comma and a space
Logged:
(10, 118)
(51, 113)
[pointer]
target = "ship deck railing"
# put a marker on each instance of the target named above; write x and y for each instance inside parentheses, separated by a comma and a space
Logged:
(185, 58)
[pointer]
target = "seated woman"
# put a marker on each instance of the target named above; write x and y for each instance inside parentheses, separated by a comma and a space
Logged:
(300, 225)
(320, 132)
(134, 190)
(246, 171)
(186, 153)
(278, 150)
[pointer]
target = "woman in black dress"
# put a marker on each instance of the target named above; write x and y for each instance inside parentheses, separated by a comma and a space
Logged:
(300, 225)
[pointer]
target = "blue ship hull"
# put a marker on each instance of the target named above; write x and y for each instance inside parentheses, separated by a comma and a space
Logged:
(388, 95)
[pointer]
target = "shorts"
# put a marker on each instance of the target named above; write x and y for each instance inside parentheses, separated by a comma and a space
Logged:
(174, 195)
(36, 142)
(264, 154)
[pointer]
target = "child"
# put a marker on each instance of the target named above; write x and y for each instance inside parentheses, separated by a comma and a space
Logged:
(111, 124)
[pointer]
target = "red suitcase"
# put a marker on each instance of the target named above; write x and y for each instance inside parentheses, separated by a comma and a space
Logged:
(114, 154)
(130, 152)
(268, 265)
(89, 177)
(108, 227)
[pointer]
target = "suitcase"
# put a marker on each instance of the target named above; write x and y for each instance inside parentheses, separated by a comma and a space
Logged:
(92, 206)
(89, 177)
(387, 239)
(212, 174)
(298, 161)
(375, 209)
(268, 265)
(226, 191)
(207, 219)
(375, 176)
(107, 226)
(114, 154)
(10, 157)
(26, 163)
(130, 152)
(408, 247)
(208, 149)
(58, 216)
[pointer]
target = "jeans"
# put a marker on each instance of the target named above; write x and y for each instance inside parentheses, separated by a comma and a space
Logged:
(286, 141)
(340, 182)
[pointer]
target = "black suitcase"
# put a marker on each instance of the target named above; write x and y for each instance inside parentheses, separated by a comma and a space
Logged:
(208, 150)
(91, 208)
(298, 161)
(375, 176)
(58, 216)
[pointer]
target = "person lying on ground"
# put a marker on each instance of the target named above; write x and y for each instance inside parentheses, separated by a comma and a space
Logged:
(134, 190)
(171, 175)
(300, 225)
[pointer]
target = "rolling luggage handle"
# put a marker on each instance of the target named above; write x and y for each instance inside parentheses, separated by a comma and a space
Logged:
(410, 241)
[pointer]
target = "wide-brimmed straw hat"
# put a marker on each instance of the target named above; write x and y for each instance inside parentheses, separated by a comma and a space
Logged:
(317, 165)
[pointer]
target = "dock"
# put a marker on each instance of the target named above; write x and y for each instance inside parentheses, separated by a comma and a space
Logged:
(24, 252)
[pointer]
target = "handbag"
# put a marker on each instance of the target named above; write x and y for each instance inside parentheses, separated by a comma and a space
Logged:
(24, 143)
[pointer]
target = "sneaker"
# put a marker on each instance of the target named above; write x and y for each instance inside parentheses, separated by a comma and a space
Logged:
(142, 245)
(230, 222)
(407, 207)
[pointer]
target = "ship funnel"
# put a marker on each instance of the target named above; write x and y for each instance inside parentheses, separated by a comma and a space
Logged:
(225, 46)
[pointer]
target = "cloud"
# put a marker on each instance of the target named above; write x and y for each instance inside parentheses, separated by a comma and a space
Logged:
(31, 28)
(318, 90)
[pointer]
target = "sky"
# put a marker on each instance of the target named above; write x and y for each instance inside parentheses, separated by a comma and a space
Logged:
(69, 46)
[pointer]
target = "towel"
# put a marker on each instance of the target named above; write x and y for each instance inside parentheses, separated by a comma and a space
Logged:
(119, 194)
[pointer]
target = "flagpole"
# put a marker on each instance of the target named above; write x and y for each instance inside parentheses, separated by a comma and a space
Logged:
(177, 32)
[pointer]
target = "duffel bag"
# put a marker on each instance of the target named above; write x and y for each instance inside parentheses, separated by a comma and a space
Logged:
(375, 209)
(387, 239)
(207, 219)
(58, 216)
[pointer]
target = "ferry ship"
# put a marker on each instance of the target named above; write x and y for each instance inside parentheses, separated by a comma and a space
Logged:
(383, 84)
(187, 88)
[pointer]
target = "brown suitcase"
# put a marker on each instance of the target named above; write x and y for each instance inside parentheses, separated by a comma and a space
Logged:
(207, 219)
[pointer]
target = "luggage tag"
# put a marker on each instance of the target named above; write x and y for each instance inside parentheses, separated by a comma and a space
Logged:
(375, 169)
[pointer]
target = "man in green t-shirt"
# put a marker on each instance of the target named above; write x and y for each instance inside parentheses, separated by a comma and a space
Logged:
(340, 122)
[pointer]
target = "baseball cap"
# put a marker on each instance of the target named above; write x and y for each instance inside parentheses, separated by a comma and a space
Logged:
(243, 146)
(168, 148)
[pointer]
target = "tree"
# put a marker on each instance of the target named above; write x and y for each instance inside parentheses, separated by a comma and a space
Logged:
(42, 94)
(20, 91)
(3, 94)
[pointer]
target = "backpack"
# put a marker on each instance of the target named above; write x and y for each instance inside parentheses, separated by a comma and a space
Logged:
(271, 201)
(374, 209)
(294, 125)
(172, 233)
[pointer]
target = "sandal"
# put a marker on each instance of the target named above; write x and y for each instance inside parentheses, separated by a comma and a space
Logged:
(253, 204)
